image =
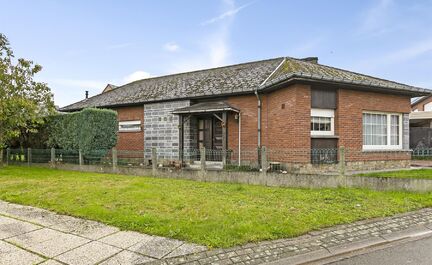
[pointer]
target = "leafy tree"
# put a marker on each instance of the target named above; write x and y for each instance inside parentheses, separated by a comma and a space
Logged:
(24, 102)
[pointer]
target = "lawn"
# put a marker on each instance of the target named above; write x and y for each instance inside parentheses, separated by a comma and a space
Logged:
(414, 173)
(213, 214)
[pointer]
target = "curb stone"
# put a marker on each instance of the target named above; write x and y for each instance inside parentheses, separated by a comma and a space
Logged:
(319, 244)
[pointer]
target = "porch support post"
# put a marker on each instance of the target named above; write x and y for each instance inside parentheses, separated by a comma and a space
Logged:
(224, 138)
(203, 158)
(181, 140)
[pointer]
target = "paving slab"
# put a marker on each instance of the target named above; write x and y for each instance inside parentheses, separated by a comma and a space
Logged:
(85, 228)
(127, 258)
(10, 254)
(51, 262)
(32, 214)
(10, 227)
(125, 239)
(186, 249)
(89, 254)
(157, 247)
(48, 242)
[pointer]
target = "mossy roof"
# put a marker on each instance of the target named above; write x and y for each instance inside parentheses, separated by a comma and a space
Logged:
(233, 79)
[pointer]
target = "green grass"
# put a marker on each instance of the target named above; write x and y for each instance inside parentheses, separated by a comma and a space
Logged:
(414, 173)
(213, 214)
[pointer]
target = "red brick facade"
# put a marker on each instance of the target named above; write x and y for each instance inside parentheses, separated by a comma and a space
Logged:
(285, 127)
(351, 105)
(131, 140)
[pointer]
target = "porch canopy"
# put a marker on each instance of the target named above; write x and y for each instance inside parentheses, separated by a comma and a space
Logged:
(206, 107)
(214, 108)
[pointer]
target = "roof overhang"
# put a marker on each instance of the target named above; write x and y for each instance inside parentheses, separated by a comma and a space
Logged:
(206, 107)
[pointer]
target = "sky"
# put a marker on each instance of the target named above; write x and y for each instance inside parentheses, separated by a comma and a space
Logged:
(83, 45)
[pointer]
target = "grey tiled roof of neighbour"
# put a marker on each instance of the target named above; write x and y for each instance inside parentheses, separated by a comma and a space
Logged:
(234, 79)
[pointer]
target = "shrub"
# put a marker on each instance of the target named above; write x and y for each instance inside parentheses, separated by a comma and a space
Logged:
(87, 130)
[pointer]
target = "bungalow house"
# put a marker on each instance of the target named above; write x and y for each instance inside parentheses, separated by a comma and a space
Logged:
(285, 104)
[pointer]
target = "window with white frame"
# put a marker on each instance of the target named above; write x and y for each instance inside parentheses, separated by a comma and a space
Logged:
(129, 126)
(428, 106)
(382, 131)
(322, 122)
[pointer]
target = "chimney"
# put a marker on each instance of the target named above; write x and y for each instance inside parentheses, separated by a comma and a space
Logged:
(311, 59)
(86, 94)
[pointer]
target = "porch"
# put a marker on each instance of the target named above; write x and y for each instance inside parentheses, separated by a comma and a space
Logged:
(208, 129)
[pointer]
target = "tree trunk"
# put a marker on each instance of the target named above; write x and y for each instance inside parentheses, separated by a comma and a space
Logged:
(1, 157)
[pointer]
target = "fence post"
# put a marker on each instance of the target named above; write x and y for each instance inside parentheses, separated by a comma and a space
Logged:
(264, 165)
(52, 156)
(203, 158)
(7, 156)
(114, 158)
(80, 158)
(29, 156)
(342, 161)
(154, 161)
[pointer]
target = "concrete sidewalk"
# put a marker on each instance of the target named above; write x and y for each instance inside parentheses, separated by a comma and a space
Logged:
(30, 235)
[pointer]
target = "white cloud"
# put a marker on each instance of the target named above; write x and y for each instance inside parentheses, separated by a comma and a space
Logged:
(231, 12)
(137, 75)
(171, 46)
(214, 48)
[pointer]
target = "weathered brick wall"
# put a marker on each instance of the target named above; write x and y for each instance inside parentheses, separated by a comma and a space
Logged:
(420, 106)
(285, 130)
(287, 124)
(349, 121)
(131, 140)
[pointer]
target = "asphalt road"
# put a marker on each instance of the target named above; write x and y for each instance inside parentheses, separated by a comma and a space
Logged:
(418, 252)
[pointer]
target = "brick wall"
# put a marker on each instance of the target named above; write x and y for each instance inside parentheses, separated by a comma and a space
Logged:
(131, 140)
(420, 106)
(285, 130)
(349, 121)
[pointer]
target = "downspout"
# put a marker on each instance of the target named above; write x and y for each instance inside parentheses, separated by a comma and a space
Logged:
(259, 117)
(239, 140)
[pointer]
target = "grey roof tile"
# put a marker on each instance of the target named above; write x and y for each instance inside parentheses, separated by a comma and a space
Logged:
(234, 79)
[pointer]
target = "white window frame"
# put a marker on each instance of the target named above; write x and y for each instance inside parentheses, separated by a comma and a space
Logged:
(388, 146)
(122, 123)
(325, 113)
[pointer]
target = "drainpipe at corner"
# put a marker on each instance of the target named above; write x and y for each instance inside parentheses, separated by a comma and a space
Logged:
(259, 117)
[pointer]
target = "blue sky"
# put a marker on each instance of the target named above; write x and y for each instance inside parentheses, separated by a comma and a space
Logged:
(83, 45)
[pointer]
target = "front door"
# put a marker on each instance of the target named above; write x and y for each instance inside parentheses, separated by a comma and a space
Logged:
(210, 137)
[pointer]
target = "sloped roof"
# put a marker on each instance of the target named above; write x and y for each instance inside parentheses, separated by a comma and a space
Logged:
(235, 79)
(217, 81)
(297, 68)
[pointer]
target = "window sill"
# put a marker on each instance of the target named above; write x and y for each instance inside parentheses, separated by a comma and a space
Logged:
(384, 150)
(325, 136)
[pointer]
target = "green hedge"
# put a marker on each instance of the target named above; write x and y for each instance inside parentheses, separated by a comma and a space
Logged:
(87, 130)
